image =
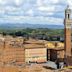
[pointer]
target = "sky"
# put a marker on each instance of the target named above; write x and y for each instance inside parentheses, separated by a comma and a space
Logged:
(33, 11)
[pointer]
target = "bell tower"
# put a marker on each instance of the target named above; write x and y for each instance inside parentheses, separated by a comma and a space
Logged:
(67, 29)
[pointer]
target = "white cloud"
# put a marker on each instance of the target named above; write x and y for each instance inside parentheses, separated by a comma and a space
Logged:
(2, 10)
(26, 9)
(46, 2)
(30, 12)
(39, 2)
(70, 3)
(10, 8)
(48, 8)
(51, 1)
(3, 2)
(18, 2)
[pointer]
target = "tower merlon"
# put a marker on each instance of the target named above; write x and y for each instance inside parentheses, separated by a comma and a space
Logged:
(67, 13)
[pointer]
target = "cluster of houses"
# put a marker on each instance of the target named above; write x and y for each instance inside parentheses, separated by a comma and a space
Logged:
(16, 51)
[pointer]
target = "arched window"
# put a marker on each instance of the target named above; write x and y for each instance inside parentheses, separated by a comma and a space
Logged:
(68, 16)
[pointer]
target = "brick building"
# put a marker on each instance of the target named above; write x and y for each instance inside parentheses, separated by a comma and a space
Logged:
(67, 29)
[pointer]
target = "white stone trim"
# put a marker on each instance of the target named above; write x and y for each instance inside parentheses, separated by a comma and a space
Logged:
(68, 26)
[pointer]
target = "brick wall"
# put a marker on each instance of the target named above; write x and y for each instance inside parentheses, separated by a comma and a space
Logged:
(68, 41)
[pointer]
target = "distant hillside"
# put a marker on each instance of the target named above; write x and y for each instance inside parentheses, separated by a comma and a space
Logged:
(22, 26)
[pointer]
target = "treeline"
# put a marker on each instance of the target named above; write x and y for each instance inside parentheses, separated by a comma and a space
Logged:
(40, 33)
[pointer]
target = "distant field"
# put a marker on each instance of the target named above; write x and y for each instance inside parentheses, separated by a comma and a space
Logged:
(40, 33)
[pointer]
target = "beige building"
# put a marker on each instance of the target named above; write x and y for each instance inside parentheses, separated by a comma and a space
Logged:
(35, 55)
(35, 51)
